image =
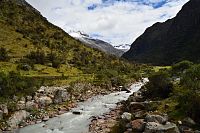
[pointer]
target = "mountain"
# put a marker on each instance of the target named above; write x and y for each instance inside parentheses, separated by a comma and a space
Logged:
(172, 41)
(123, 47)
(34, 47)
(96, 43)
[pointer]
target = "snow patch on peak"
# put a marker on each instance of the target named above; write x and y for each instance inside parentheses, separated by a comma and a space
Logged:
(78, 34)
(124, 47)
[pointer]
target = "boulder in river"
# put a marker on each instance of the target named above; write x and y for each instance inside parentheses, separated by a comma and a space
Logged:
(77, 112)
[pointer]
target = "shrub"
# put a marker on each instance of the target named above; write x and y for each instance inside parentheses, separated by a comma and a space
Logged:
(191, 79)
(159, 86)
(14, 84)
(189, 94)
(190, 105)
(24, 66)
(181, 66)
(37, 57)
(55, 59)
(4, 54)
(118, 81)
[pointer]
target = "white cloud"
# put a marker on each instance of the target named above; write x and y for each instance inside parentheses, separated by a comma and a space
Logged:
(119, 22)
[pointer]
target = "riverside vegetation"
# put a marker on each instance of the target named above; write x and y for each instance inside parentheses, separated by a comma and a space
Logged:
(172, 95)
(35, 53)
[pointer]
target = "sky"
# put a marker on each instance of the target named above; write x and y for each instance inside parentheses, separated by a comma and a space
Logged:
(115, 21)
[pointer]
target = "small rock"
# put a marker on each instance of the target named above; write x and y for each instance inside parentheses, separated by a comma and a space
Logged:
(180, 123)
(30, 105)
(188, 131)
(135, 106)
(188, 122)
(126, 116)
(77, 112)
(45, 118)
(140, 114)
(138, 125)
(23, 99)
(183, 128)
(28, 98)
(125, 89)
(21, 105)
(38, 121)
(4, 109)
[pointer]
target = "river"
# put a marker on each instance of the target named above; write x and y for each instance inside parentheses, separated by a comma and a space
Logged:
(71, 123)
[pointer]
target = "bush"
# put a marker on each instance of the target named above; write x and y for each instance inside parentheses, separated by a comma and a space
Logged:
(191, 79)
(55, 59)
(14, 84)
(37, 57)
(159, 86)
(189, 103)
(24, 66)
(181, 66)
(189, 94)
(4, 54)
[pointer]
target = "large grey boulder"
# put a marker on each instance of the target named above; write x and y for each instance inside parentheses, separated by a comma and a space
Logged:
(30, 105)
(61, 95)
(4, 109)
(21, 105)
(156, 118)
(153, 127)
(17, 118)
(44, 101)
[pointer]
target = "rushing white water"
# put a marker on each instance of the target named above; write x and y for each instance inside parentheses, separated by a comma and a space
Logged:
(71, 123)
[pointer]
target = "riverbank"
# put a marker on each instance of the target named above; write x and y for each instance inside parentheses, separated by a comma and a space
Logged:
(48, 102)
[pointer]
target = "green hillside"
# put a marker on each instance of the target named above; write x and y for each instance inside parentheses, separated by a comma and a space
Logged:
(35, 48)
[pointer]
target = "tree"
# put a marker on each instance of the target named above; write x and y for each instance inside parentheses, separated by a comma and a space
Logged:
(3, 54)
(159, 86)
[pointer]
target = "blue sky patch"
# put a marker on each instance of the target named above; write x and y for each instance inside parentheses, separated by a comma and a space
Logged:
(106, 3)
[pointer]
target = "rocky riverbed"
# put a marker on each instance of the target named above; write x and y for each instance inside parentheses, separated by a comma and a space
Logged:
(79, 118)
(137, 116)
(46, 103)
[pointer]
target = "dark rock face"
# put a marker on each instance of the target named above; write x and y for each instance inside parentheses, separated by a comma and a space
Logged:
(172, 41)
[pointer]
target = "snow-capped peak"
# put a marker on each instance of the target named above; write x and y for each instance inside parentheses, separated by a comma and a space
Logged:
(78, 34)
(124, 47)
